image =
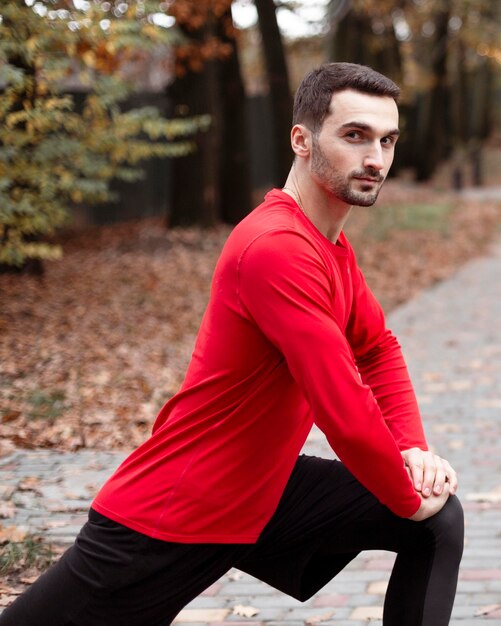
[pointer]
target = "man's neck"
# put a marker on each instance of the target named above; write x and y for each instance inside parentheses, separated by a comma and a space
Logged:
(327, 213)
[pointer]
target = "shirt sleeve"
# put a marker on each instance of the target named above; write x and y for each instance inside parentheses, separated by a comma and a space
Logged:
(381, 364)
(285, 288)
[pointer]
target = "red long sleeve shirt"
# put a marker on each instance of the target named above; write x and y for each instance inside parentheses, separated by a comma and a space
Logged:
(291, 336)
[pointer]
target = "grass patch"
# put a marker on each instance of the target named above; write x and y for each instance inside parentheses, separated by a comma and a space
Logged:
(432, 217)
(45, 405)
(18, 556)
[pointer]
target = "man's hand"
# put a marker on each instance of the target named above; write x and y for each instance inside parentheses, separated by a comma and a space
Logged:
(431, 505)
(430, 474)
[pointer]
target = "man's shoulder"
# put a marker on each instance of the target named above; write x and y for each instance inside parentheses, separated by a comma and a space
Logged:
(276, 217)
(277, 210)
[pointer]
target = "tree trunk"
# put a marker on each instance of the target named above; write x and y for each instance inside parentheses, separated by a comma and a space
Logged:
(430, 138)
(280, 93)
(212, 183)
(235, 184)
(481, 116)
(459, 116)
(350, 39)
(194, 195)
(353, 40)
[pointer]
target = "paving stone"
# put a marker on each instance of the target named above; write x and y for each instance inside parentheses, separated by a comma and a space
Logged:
(287, 621)
(213, 590)
(471, 587)
(330, 600)
(201, 615)
(378, 588)
(364, 599)
(206, 602)
(274, 600)
(481, 574)
(246, 589)
(367, 612)
(244, 623)
(314, 613)
(381, 564)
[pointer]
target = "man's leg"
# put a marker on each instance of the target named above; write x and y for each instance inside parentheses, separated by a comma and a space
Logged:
(427, 576)
(114, 576)
(325, 518)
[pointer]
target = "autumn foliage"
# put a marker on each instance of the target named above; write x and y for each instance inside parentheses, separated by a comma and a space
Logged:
(53, 155)
(201, 22)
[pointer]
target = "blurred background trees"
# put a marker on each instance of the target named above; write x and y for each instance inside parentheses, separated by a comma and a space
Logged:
(56, 152)
(212, 183)
(445, 54)
(235, 63)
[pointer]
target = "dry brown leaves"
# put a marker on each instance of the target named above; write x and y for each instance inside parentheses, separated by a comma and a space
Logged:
(22, 559)
(90, 351)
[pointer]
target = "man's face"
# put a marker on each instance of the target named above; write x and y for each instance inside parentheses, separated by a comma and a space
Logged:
(352, 153)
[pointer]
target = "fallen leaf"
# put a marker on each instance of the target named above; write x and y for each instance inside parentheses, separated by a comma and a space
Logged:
(432, 376)
(12, 534)
(446, 427)
(10, 416)
(5, 600)
(29, 580)
(487, 610)
(245, 611)
(492, 497)
(7, 510)
(23, 441)
(30, 483)
(54, 524)
(70, 495)
(6, 492)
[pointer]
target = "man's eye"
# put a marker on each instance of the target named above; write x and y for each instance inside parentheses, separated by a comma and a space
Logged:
(388, 141)
(353, 134)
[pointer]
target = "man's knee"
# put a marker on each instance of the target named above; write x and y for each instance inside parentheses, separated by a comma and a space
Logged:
(448, 526)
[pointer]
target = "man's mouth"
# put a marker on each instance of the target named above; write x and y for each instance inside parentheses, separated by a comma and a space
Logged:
(368, 179)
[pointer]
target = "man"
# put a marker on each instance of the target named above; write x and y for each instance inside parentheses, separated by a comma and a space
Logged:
(292, 336)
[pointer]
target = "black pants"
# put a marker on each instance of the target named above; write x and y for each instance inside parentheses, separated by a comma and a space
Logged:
(116, 576)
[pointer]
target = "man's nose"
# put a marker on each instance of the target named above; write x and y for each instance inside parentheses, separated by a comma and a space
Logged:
(374, 157)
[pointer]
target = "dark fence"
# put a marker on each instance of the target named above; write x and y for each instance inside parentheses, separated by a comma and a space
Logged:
(151, 195)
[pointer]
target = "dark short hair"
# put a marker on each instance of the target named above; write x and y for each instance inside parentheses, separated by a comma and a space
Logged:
(313, 97)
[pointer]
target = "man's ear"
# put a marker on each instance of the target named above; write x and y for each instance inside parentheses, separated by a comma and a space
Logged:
(301, 140)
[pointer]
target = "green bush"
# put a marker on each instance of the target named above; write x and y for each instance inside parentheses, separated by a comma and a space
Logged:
(52, 156)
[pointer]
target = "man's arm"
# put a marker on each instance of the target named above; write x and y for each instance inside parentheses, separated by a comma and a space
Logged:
(382, 366)
(286, 289)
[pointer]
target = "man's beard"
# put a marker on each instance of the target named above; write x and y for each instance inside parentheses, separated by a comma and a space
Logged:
(339, 186)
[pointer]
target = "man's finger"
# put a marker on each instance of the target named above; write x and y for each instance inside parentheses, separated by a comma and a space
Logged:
(416, 472)
(414, 463)
(440, 476)
(429, 472)
(452, 477)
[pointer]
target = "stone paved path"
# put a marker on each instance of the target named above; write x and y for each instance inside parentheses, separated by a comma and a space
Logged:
(451, 335)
